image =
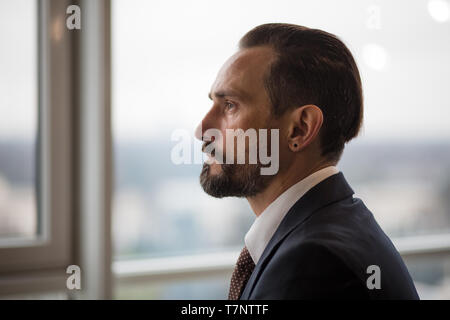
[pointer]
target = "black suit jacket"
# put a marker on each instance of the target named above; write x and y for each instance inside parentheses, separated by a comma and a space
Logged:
(322, 249)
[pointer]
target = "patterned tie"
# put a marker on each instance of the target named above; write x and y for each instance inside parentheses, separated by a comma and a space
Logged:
(241, 274)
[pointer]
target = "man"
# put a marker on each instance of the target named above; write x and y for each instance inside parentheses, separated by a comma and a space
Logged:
(311, 238)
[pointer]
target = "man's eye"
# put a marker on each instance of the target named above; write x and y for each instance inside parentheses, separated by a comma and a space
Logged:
(229, 105)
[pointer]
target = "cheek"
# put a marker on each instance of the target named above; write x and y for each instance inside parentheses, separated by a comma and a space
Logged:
(246, 119)
(253, 120)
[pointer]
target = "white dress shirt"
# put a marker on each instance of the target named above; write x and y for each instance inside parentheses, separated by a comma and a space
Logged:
(268, 221)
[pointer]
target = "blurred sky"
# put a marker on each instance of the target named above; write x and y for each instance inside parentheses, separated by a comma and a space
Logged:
(166, 55)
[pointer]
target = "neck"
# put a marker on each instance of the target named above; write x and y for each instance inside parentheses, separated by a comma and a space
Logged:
(283, 181)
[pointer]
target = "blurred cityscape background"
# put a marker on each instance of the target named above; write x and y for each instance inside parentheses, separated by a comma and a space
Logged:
(165, 212)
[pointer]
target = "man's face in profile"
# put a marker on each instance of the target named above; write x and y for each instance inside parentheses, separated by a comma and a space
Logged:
(240, 101)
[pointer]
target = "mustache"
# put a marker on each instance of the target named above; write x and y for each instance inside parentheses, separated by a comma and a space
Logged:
(205, 144)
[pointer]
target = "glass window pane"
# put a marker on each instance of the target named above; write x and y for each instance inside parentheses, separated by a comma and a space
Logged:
(431, 276)
(18, 118)
(165, 58)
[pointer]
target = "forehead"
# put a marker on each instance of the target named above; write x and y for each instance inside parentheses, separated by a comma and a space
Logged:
(244, 72)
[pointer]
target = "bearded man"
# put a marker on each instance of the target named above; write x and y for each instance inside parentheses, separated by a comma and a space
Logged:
(311, 238)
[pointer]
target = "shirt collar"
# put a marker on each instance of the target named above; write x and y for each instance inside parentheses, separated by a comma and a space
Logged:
(265, 225)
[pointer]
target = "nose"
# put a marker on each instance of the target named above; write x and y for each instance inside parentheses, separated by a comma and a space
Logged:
(199, 131)
(201, 135)
(207, 123)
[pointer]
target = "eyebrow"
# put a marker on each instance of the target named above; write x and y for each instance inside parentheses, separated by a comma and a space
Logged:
(222, 94)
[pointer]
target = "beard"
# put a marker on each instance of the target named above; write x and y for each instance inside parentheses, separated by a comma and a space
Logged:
(234, 180)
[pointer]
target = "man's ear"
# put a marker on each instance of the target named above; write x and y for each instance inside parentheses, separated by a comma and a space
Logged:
(305, 123)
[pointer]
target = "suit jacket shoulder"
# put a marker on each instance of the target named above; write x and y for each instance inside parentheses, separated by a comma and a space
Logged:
(323, 249)
(308, 271)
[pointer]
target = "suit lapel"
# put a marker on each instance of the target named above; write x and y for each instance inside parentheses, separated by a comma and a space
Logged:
(330, 190)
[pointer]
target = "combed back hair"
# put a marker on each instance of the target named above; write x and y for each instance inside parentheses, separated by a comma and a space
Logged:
(312, 67)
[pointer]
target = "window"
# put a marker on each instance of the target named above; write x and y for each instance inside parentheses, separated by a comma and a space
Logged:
(164, 60)
(35, 143)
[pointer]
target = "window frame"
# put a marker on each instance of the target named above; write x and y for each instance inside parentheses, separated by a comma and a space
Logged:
(75, 158)
(51, 248)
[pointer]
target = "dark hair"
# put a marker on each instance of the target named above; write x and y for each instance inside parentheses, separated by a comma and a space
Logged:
(313, 67)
